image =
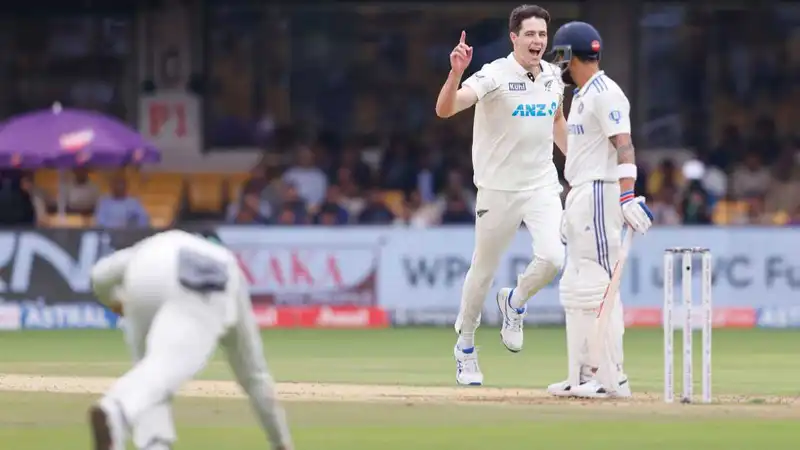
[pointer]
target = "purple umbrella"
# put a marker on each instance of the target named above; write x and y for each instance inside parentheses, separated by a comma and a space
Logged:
(71, 137)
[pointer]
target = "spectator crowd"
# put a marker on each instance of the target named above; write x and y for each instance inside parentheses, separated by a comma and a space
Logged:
(749, 179)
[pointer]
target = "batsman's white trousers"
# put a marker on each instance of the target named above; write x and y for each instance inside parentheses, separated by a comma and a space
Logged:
(499, 215)
(172, 332)
(593, 231)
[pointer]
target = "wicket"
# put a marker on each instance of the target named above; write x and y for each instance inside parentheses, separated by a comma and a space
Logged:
(687, 254)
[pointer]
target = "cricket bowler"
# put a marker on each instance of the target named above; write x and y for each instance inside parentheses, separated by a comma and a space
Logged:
(601, 171)
(181, 295)
(518, 116)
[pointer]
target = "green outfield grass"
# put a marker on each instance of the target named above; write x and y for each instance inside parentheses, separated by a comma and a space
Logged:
(761, 366)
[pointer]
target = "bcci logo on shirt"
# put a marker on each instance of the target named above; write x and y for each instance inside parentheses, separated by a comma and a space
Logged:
(535, 110)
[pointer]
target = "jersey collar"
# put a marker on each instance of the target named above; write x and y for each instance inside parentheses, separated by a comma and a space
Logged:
(582, 90)
(518, 67)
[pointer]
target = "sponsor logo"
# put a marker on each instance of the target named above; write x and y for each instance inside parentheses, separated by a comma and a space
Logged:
(76, 140)
(75, 315)
(535, 110)
(775, 317)
(320, 317)
(575, 129)
(51, 265)
(516, 86)
(294, 272)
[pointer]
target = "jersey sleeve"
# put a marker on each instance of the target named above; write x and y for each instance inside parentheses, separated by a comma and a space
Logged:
(614, 113)
(483, 81)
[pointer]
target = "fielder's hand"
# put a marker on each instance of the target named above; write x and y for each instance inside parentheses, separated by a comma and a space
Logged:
(461, 56)
(635, 212)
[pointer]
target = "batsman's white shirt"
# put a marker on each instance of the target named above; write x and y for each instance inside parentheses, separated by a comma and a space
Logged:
(592, 217)
(598, 111)
(512, 142)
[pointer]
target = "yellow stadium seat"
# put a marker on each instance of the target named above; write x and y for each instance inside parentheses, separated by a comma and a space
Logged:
(235, 182)
(101, 180)
(68, 221)
(164, 184)
(47, 180)
(204, 192)
(395, 201)
(161, 214)
(727, 211)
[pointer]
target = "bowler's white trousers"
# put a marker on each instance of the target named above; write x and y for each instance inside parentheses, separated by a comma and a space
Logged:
(499, 215)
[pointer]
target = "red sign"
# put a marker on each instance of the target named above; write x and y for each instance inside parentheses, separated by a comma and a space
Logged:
(162, 113)
(320, 317)
(720, 318)
(171, 120)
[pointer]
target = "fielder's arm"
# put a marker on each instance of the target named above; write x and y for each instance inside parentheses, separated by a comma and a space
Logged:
(560, 130)
(626, 154)
(107, 274)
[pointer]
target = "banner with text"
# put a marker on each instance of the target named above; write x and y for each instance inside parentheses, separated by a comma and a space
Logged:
(404, 269)
(376, 275)
(52, 266)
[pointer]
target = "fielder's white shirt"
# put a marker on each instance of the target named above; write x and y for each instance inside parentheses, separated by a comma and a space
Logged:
(512, 138)
(598, 111)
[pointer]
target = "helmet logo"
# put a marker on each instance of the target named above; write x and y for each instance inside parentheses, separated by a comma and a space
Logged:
(596, 45)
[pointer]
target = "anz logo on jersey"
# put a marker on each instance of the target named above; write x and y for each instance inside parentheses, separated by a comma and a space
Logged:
(575, 128)
(535, 110)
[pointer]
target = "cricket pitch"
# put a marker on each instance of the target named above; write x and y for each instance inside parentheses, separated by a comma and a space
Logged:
(331, 392)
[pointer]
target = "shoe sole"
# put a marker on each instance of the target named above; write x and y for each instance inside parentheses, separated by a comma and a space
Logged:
(500, 306)
(613, 395)
(100, 431)
(560, 393)
(600, 396)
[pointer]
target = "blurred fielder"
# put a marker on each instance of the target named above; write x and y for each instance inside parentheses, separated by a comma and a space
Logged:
(601, 170)
(181, 295)
(517, 118)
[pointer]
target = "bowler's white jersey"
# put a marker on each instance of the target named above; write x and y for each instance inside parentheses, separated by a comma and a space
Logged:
(598, 111)
(512, 142)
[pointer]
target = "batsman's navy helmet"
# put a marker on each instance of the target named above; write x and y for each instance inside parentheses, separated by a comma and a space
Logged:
(576, 39)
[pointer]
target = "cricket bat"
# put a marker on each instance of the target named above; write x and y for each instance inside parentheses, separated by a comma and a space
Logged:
(597, 345)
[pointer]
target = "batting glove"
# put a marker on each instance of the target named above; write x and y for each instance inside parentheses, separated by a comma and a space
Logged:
(635, 212)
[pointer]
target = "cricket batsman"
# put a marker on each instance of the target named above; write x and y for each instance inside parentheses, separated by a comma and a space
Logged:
(517, 118)
(601, 170)
(181, 295)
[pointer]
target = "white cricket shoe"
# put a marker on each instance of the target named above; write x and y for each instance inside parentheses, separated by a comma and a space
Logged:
(513, 318)
(593, 389)
(560, 389)
(563, 388)
(467, 370)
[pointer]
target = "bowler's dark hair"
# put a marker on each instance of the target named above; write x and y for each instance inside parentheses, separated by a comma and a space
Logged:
(523, 12)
